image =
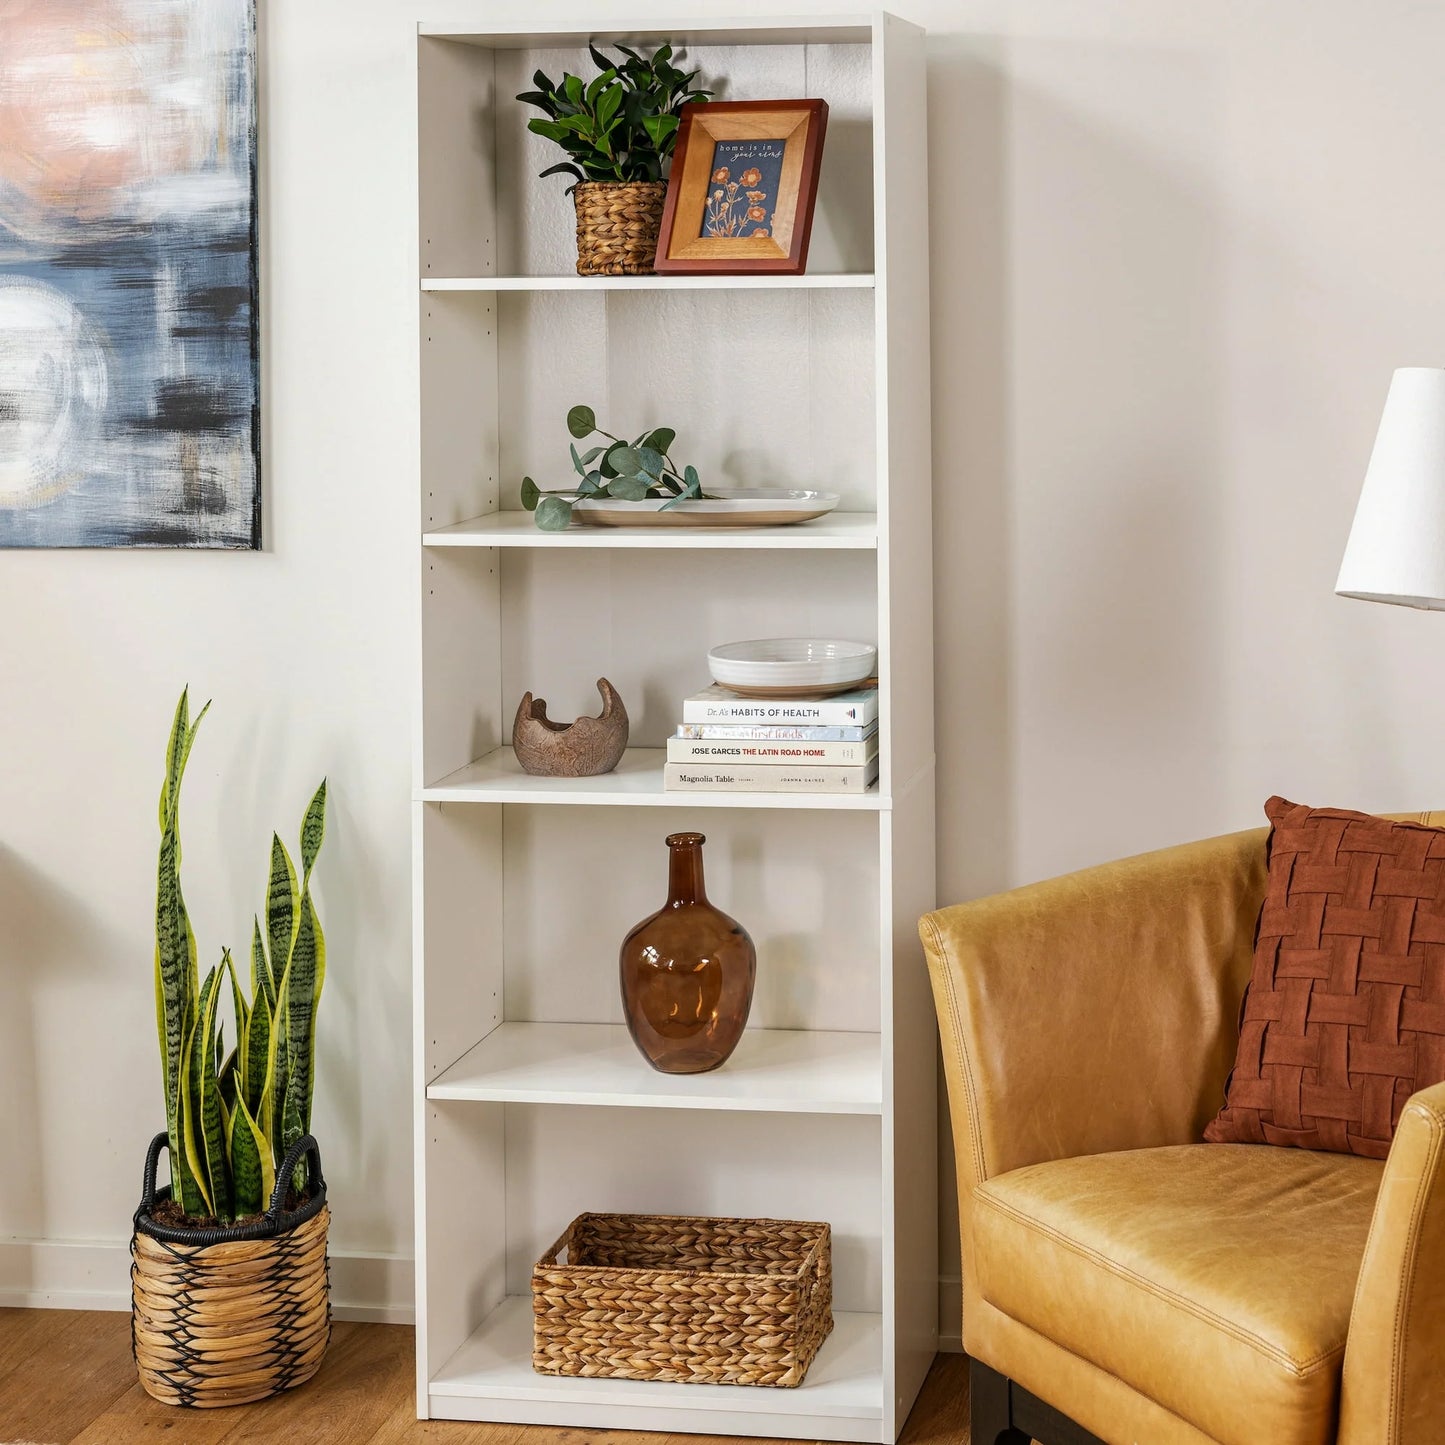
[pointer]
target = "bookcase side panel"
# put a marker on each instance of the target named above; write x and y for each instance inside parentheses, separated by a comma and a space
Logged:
(906, 480)
(460, 406)
(910, 1068)
(456, 168)
(463, 1154)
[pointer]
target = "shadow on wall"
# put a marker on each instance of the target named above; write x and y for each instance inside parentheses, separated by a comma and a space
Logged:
(47, 938)
(1079, 398)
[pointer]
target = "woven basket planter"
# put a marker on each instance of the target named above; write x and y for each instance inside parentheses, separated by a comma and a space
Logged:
(617, 226)
(697, 1301)
(226, 1316)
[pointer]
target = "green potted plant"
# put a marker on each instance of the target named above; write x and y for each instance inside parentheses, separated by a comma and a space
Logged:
(229, 1295)
(618, 131)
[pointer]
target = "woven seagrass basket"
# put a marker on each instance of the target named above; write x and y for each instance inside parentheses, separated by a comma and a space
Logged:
(698, 1301)
(617, 226)
(226, 1316)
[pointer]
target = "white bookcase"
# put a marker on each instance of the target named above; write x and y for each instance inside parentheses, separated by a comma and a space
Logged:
(531, 1104)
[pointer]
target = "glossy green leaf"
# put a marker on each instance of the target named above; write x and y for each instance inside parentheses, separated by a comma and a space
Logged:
(256, 1055)
(306, 977)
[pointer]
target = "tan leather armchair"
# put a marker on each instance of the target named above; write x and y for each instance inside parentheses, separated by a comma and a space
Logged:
(1123, 1281)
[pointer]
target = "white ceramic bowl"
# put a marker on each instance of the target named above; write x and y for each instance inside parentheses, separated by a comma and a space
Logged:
(779, 665)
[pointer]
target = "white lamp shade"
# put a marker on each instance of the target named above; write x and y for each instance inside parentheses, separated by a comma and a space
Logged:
(1396, 551)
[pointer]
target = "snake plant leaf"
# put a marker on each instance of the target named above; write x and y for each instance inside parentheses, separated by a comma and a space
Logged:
(208, 1114)
(175, 954)
(282, 898)
(273, 1094)
(292, 1129)
(252, 1167)
(198, 1199)
(242, 1010)
(313, 832)
(305, 978)
(255, 1055)
(263, 986)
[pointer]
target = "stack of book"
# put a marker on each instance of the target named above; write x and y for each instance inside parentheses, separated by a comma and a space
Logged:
(729, 743)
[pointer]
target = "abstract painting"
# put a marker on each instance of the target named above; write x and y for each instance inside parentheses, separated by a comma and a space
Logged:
(129, 385)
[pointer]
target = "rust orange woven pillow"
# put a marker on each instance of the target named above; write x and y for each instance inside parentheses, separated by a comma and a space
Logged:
(1344, 1017)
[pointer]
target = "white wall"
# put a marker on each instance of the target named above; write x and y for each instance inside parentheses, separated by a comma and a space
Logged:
(1177, 250)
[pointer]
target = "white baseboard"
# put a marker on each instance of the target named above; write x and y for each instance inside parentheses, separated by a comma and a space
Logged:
(375, 1288)
(95, 1275)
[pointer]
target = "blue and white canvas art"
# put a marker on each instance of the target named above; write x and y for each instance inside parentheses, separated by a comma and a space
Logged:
(129, 389)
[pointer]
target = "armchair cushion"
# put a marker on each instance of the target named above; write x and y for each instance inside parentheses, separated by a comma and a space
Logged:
(1217, 1282)
(1344, 1017)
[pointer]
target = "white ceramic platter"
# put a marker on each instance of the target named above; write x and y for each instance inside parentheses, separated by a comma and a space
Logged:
(791, 666)
(722, 507)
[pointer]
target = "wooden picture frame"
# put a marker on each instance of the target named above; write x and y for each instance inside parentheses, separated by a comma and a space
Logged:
(734, 159)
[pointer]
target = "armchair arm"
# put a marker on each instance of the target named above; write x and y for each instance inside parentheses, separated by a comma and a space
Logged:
(1393, 1391)
(1097, 1011)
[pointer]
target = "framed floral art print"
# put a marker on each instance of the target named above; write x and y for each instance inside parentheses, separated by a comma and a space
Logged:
(744, 178)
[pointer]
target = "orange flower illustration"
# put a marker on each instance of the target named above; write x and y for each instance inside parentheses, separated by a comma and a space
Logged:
(756, 196)
(761, 231)
(756, 213)
(751, 176)
(720, 175)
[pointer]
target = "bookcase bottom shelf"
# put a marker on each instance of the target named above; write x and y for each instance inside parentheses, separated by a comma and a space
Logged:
(491, 1378)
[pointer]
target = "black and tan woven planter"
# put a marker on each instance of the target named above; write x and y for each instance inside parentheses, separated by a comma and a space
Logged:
(617, 226)
(698, 1301)
(226, 1316)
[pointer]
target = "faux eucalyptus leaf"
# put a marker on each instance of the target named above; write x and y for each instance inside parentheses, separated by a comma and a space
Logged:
(651, 461)
(628, 489)
(660, 440)
(627, 461)
(554, 514)
(581, 421)
(531, 494)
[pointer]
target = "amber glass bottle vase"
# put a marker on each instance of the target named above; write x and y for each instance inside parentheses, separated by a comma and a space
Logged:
(687, 972)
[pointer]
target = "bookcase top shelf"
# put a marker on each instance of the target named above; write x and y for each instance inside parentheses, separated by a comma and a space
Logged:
(854, 29)
(856, 531)
(813, 281)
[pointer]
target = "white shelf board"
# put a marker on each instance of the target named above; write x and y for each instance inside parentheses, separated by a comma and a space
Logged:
(789, 1071)
(491, 1377)
(859, 280)
(837, 531)
(635, 782)
(737, 30)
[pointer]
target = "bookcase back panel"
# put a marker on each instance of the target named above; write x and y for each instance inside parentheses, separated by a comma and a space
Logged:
(646, 620)
(536, 223)
(763, 388)
(563, 1160)
(804, 885)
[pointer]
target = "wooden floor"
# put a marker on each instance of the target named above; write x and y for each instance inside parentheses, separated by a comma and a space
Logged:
(66, 1378)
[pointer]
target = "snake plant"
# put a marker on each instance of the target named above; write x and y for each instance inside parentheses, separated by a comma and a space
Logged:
(232, 1116)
